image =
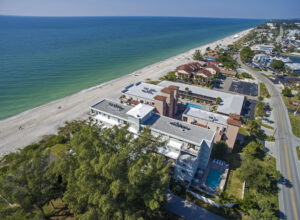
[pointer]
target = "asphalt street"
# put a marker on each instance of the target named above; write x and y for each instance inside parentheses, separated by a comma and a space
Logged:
(287, 161)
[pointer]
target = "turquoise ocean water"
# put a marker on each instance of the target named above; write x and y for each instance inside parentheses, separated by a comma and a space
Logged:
(46, 58)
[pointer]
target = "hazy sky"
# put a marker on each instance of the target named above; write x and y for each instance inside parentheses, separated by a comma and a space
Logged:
(190, 8)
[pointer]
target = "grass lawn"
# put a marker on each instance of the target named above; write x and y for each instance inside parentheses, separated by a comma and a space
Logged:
(298, 152)
(264, 125)
(290, 99)
(234, 185)
(265, 75)
(243, 131)
(295, 123)
(263, 91)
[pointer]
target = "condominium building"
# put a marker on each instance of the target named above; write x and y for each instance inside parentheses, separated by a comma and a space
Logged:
(187, 146)
(163, 99)
(231, 103)
(226, 127)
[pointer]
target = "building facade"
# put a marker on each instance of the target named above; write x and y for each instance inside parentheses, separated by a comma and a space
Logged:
(187, 146)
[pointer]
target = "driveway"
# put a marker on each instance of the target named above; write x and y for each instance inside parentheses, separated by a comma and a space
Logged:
(188, 210)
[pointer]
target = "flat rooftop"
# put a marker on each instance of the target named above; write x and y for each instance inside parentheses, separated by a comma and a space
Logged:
(112, 108)
(164, 125)
(180, 130)
(231, 103)
(143, 90)
(206, 115)
(140, 111)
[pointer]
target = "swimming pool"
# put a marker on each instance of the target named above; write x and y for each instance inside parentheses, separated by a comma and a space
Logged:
(194, 106)
(214, 178)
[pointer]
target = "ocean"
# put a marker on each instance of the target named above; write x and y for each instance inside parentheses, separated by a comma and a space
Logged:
(46, 58)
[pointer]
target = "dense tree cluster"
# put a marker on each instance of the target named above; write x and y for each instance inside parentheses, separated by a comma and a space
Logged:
(246, 54)
(102, 174)
(277, 65)
(261, 182)
(227, 60)
(287, 92)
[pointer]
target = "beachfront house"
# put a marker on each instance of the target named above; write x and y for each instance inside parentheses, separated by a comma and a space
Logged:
(187, 147)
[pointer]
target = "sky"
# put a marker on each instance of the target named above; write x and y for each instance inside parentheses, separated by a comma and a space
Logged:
(179, 8)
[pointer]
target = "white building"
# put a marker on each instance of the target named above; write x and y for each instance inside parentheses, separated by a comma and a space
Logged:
(264, 48)
(188, 146)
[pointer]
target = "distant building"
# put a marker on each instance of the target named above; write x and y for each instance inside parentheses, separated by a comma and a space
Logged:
(228, 72)
(224, 47)
(261, 60)
(187, 70)
(210, 58)
(263, 48)
(188, 147)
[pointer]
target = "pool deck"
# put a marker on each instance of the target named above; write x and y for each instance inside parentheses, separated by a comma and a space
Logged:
(205, 107)
(211, 165)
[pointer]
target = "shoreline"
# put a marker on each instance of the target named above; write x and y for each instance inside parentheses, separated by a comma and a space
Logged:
(45, 119)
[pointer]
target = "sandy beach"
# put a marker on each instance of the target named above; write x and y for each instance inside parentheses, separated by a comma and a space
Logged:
(23, 129)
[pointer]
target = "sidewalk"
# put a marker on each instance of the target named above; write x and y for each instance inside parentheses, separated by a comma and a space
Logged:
(188, 210)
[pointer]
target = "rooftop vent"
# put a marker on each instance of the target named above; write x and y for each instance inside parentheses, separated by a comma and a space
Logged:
(116, 106)
(179, 125)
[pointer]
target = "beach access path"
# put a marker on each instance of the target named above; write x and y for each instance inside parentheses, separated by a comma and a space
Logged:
(28, 127)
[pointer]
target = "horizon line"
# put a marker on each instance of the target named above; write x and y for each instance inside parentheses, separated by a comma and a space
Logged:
(89, 16)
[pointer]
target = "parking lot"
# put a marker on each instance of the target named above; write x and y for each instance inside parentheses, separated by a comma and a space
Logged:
(249, 109)
(245, 88)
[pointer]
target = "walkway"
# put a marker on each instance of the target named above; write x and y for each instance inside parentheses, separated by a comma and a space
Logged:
(188, 210)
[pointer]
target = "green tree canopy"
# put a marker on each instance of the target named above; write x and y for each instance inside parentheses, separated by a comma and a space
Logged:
(287, 92)
(29, 184)
(277, 65)
(246, 54)
(259, 109)
(112, 175)
(253, 127)
(220, 150)
(197, 55)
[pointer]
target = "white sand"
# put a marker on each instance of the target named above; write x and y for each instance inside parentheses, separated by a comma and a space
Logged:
(46, 119)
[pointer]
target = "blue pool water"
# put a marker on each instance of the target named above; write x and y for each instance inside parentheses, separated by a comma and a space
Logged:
(214, 178)
(194, 106)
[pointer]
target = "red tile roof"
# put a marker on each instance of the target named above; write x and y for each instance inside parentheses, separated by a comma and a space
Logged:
(173, 87)
(232, 121)
(160, 98)
(166, 90)
(228, 72)
(201, 125)
(235, 116)
(189, 67)
(135, 102)
(204, 72)
(213, 67)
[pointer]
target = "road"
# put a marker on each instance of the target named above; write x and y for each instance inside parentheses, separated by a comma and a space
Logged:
(279, 37)
(287, 161)
(188, 210)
